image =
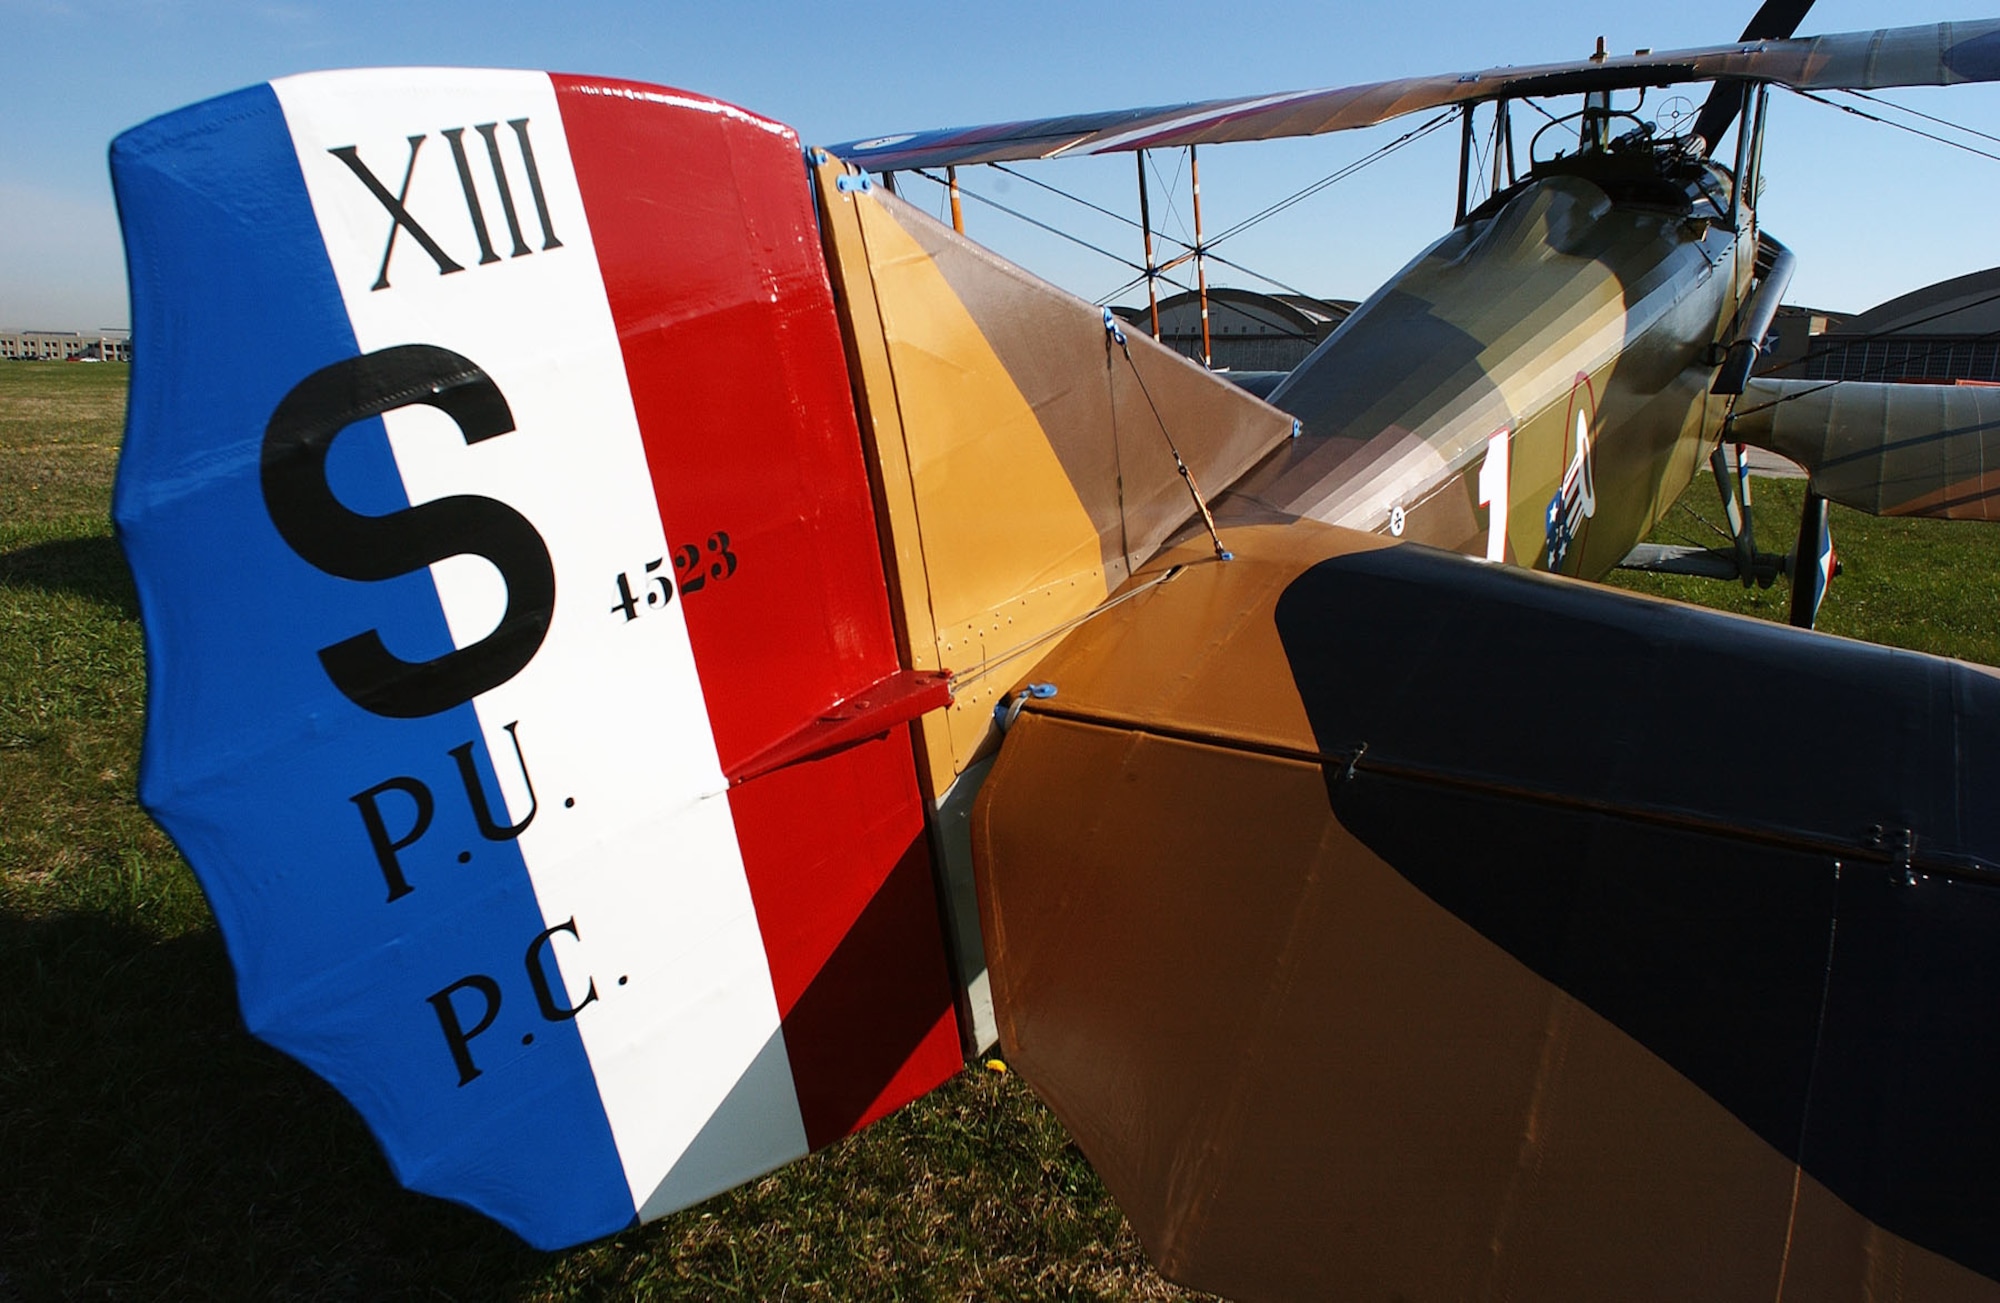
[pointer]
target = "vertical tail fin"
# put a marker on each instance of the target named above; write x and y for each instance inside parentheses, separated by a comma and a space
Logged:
(1024, 465)
(524, 689)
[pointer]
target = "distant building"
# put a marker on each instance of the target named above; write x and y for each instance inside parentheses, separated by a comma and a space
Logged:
(1247, 331)
(65, 346)
(1793, 335)
(1941, 334)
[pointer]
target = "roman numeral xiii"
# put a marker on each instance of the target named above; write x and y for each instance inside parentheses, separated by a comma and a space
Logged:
(400, 218)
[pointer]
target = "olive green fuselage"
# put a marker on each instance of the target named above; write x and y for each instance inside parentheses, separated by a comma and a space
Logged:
(1551, 358)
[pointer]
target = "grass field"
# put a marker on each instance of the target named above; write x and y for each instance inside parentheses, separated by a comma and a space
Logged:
(149, 1148)
(1929, 585)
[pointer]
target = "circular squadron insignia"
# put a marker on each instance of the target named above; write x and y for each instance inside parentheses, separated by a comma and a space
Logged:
(1575, 501)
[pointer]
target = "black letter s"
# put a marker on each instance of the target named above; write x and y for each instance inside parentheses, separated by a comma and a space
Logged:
(353, 546)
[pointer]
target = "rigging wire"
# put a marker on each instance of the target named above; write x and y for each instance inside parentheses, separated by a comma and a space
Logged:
(1075, 199)
(1478, 172)
(1539, 109)
(1104, 300)
(1204, 250)
(1875, 373)
(1237, 266)
(1904, 108)
(1016, 213)
(1714, 528)
(1407, 138)
(1170, 187)
(1846, 344)
(1119, 216)
(1900, 126)
(1055, 230)
(1159, 274)
(1117, 336)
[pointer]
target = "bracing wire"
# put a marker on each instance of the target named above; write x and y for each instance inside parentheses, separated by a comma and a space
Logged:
(1187, 476)
(1877, 372)
(1105, 298)
(1170, 186)
(1057, 231)
(1539, 109)
(1900, 126)
(1479, 174)
(1341, 174)
(1016, 213)
(1075, 199)
(1233, 266)
(1904, 327)
(1205, 250)
(1120, 217)
(1919, 113)
(1714, 528)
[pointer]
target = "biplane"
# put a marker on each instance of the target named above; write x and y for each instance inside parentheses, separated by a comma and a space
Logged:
(661, 648)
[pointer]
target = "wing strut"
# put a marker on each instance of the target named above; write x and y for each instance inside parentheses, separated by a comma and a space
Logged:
(1146, 230)
(1464, 162)
(1201, 286)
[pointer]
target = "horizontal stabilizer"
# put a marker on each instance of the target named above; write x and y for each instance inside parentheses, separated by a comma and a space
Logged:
(1929, 55)
(1380, 924)
(1886, 449)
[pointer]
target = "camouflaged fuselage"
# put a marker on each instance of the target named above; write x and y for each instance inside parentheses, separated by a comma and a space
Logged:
(1585, 299)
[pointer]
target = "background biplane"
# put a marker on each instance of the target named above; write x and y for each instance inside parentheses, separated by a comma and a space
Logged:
(578, 639)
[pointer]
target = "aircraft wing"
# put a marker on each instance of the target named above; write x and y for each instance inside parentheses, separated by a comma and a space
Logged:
(1930, 55)
(1886, 449)
(1376, 921)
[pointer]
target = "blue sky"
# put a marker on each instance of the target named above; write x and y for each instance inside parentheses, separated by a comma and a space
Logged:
(1871, 212)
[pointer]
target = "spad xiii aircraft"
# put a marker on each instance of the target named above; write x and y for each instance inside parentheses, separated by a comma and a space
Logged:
(658, 648)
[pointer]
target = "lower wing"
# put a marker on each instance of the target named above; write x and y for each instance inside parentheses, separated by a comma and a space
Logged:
(1886, 449)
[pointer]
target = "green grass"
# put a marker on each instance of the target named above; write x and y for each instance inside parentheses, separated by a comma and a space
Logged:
(1928, 585)
(150, 1148)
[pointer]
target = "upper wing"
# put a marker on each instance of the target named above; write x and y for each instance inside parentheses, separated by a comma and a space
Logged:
(1886, 449)
(1931, 55)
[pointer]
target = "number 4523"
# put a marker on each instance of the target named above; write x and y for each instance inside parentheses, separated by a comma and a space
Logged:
(694, 567)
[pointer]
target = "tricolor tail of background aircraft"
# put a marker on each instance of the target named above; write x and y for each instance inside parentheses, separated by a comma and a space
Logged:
(552, 500)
